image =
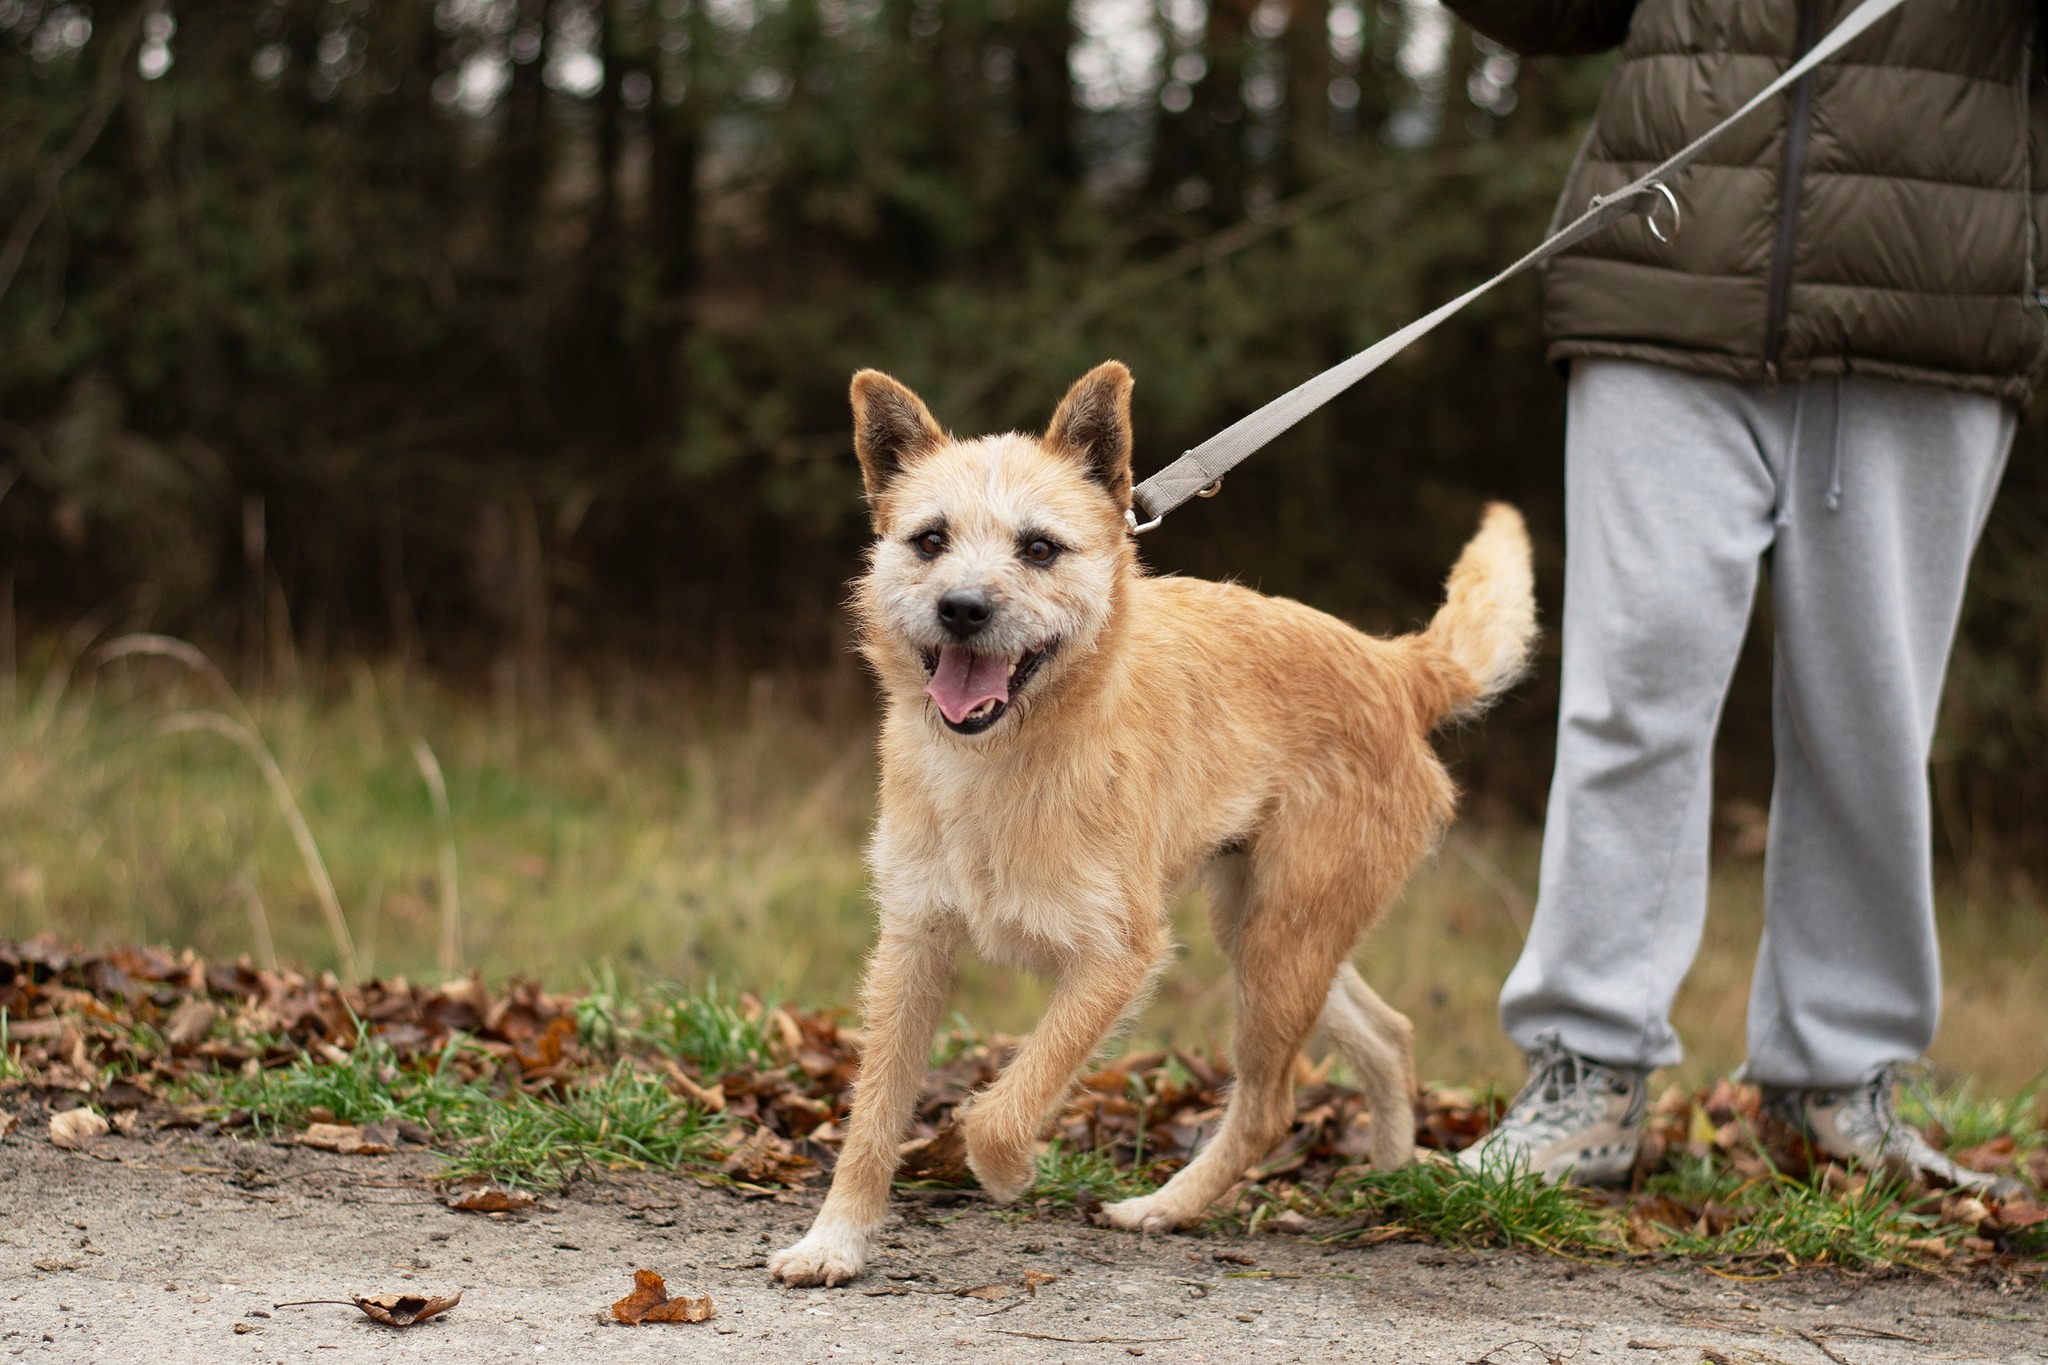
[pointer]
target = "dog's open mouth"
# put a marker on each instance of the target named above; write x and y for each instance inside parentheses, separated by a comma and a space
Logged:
(973, 690)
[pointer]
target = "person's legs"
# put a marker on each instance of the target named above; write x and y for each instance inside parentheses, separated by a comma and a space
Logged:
(1669, 497)
(1890, 493)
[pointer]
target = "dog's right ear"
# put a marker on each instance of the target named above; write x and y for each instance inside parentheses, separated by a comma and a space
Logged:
(891, 428)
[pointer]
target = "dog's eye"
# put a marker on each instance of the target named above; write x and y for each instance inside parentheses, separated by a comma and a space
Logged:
(1041, 551)
(930, 544)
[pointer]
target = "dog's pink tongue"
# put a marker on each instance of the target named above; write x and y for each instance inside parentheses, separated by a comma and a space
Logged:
(964, 680)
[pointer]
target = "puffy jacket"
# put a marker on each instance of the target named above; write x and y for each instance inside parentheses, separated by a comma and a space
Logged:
(1884, 217)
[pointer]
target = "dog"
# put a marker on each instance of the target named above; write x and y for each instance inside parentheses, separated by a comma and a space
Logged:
(1067, 741)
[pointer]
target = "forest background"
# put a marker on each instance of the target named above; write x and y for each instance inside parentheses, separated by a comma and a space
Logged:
(482, 363)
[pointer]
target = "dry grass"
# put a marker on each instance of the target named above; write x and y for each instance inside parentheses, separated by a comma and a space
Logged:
(667, 832)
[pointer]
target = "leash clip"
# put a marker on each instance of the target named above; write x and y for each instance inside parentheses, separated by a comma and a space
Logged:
(1643, 203)
(1649, 211)
(1139, 528)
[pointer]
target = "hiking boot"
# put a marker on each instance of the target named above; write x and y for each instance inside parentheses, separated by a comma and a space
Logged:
(1861, 1124)
(1577, 1121)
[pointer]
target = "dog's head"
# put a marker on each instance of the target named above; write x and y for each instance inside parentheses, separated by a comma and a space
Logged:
(997, 562)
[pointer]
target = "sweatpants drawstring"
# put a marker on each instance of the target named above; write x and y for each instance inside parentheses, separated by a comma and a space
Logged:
(1834, 499)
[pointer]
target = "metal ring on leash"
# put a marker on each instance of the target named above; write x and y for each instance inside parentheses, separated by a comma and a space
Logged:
(1650, 213)
(1212, 490)
(1139, 528)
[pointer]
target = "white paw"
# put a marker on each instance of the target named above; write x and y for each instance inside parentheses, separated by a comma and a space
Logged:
(1144, 1214)
(827, 1256)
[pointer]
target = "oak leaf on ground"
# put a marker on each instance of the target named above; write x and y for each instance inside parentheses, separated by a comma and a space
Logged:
(649, 1302)
(73, 1128)
(403, 1310)
(348, 1139)
(480, 1196)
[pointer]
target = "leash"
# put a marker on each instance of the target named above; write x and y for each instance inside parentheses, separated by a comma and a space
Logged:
(1199, 472)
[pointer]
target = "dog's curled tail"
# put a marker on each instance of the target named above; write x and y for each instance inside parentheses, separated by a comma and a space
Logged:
(1486, 627)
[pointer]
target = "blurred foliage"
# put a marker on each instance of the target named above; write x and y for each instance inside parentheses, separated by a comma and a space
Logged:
(512, 335)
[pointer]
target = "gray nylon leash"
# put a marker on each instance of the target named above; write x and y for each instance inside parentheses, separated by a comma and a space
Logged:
(1199, 472)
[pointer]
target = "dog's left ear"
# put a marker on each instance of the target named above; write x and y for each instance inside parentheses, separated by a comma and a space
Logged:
(1093, 425)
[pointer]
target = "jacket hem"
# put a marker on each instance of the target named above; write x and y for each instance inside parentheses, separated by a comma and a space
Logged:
(1750, 369)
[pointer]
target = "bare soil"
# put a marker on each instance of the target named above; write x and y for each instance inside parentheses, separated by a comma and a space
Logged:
(171, 1248)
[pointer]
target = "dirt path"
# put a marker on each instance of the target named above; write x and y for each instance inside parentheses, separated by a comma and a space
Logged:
(154, 1250)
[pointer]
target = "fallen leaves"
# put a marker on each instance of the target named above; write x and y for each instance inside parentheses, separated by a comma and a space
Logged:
(649, 1302)
(74, 1128)
(766, 1158)
(482, 1196)
(115, 1032)
(392, 1310)
(375, 1139)
(403, 1310)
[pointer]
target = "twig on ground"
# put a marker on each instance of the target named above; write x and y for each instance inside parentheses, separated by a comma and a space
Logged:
(1086, 1341)
(1553, 1357)
(1820, 1345)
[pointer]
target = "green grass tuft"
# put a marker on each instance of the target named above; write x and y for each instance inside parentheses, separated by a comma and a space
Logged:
(708, 1029)
(621, 1117)
(1066, 1176)
(1970, 1119)
(624, 1117)
(1493, 1206)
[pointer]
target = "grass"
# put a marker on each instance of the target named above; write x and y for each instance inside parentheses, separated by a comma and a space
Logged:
(623, 1116)
(660, 830)
(1067, 1177)
(1492, 1206)
(1970, 1118)
(1797, 1222)
(706, 1026)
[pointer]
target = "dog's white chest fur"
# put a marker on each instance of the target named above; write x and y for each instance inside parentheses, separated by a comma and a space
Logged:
(1029, 893)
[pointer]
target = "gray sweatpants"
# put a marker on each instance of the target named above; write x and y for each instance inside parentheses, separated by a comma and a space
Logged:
(1868, 496)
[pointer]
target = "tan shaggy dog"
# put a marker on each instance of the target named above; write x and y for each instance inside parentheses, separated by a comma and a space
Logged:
(1067, 742)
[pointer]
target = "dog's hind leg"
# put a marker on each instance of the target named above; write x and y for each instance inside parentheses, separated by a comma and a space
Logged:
(1379, 1043)
(1286, 956)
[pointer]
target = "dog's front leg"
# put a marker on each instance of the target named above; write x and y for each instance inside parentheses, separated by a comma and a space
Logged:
(1002, 1125)
(907, 987)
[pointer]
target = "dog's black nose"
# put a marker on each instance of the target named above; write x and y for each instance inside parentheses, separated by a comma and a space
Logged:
(964, 611)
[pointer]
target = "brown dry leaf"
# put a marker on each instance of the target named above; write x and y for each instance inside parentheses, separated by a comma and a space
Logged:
(1987, 1157)
(7, 1123)
(765, 1158)
(2012, 1215)
(785, 1038)
(482, 1197)
(942, 1157)
(1964, 1210)
(346, 1139)
(73, 1128)
(403, 1310)
(649, 1302)
(710, 1099)
(985, 1291)
(190, 1022)
(1035, 1278)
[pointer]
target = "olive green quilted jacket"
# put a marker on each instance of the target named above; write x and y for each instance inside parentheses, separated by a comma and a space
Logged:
(1884, 217)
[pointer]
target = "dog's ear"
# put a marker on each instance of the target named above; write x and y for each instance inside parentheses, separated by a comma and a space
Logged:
(891, 428)
(1093, 425)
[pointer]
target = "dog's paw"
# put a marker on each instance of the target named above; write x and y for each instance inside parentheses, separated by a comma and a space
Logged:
(1145, 1214)
(824, 1256)
(1006, 1170)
